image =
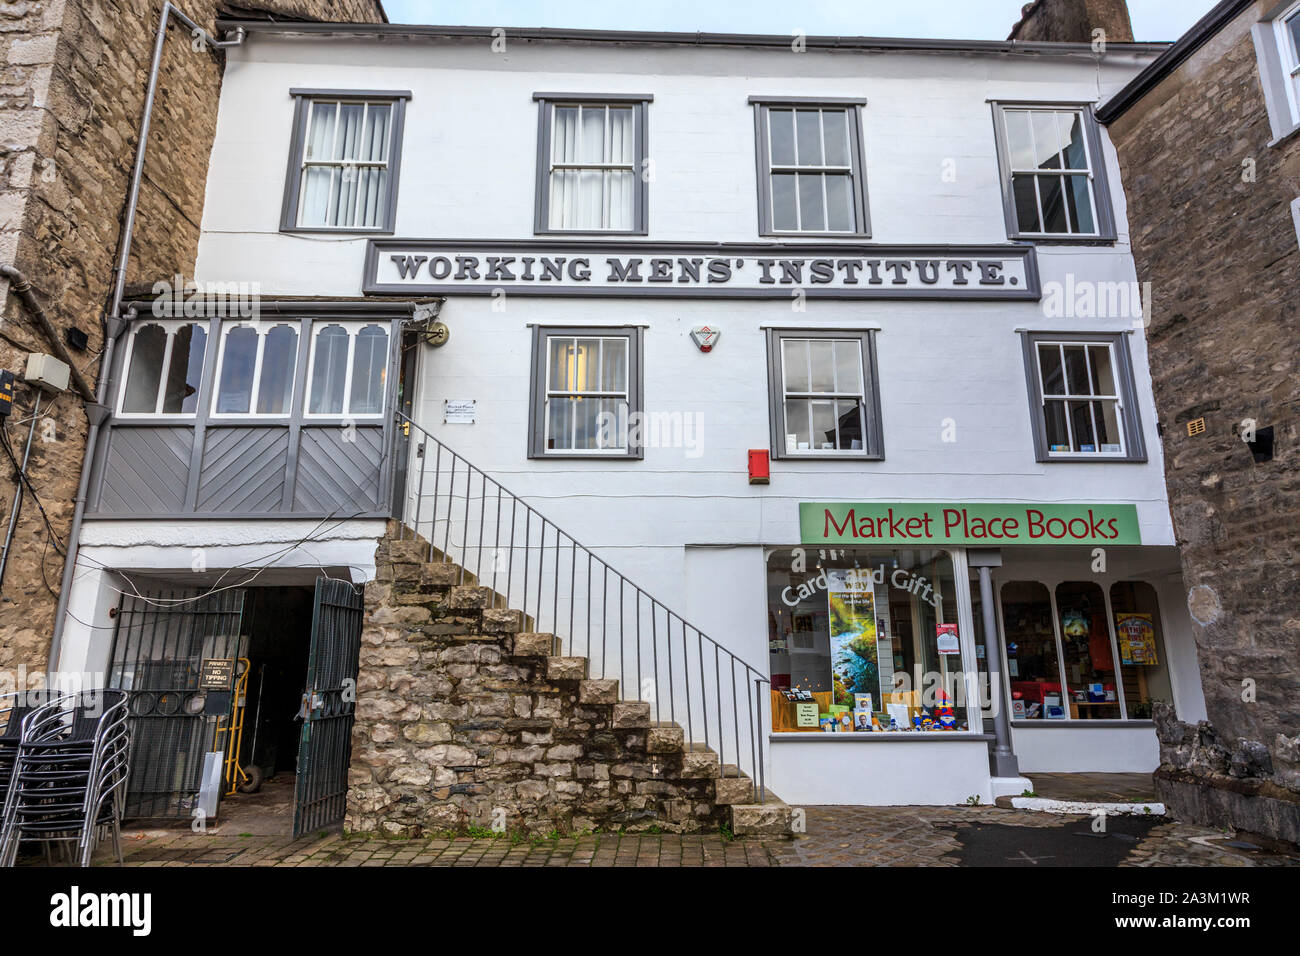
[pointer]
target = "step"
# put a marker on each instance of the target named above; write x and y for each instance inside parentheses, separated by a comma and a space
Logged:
(699, 763)
(631, 715)
(665, 739)
(773, 817)
(733, 789)
(535, 644)
(596, 690)
(566, 668)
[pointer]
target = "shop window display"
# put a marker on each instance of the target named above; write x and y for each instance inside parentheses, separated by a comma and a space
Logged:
(1143, 666)
(1033, 672)
(1086, 651)
(864, 641)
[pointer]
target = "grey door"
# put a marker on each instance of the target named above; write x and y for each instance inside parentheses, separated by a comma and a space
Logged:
(160, 642)
(329, 700)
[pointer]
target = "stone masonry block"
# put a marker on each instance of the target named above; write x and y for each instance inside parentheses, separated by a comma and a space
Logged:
(669, 739)
(631, 714)
(700, 765)
(533, 645)
(598, 691)
(468, 598)
(566, 668)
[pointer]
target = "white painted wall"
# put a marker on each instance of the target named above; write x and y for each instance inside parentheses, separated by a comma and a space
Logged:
(468, 172)
(940, 769)
(113, 554)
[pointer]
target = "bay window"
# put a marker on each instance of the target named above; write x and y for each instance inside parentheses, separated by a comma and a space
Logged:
(164, 369)
(347, 369)
(255, 369)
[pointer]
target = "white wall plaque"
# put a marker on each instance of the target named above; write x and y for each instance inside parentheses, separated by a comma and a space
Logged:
(458, 411)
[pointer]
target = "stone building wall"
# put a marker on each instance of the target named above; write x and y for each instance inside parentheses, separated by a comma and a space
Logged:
(1073, 21)
(1212, 231)
(72, 84)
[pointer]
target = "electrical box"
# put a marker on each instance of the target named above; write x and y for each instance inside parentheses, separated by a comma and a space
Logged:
(6, 393)
(47, 372)
(759, 471)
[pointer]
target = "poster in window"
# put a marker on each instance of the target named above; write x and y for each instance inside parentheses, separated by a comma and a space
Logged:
(855, 667)
(1137, 639)
(946, 639)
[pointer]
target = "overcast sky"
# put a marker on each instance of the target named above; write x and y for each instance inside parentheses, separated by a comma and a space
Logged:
(949, 19)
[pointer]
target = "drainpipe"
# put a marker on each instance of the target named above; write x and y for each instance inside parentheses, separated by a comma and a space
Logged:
(114, 321)
(1002, 761)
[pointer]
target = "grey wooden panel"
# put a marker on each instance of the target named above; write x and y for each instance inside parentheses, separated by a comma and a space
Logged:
(243, 470)
(145, 471)
(337, 475)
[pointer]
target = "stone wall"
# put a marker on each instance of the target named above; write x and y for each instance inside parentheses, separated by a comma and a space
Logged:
(72, 85)
(462, 720)
(1211, 227)
(1073, 21)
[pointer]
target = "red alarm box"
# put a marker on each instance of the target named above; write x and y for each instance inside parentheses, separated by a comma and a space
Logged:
(759, 471)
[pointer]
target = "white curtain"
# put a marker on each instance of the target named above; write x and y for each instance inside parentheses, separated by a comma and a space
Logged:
(342, 194)
(592, 198)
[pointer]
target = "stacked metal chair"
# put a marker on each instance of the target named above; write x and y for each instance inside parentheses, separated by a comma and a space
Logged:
(69, 775)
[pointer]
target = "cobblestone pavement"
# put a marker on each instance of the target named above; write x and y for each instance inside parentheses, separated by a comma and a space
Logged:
(836, 836)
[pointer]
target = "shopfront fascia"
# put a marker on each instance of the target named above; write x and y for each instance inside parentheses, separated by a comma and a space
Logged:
(877, 635)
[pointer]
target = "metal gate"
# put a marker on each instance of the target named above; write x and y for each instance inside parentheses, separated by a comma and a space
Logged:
(159, 645)
(325, 747)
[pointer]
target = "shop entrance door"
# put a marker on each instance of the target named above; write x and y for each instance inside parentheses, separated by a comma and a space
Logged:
(329, 701)
(160, 644)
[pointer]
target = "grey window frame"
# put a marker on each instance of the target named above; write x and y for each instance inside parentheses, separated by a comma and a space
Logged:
(762, 152)
(1104, 211)
(1279, 85)
(546, 103)
(873, 443)
(303, 98)
(537, 387)
(1130, 420)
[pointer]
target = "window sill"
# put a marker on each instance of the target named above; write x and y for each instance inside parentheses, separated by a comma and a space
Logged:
(328, 231)
(826, 458)
(591, 233)
(1099, 460)
(1077, 724)
(1285, 137)
(853, 236)
(886, 736)
(580, 457)
(1066, 240)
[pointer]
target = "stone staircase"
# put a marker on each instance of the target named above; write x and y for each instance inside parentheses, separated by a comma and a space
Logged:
(464, 718)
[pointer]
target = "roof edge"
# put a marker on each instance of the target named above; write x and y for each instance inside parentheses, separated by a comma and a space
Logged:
(1201, 32)
(558, 34)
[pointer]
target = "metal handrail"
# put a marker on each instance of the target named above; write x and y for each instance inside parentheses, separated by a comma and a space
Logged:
(507, 525)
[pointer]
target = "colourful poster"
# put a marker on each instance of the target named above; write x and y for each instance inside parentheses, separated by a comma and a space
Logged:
(1137, 639)
(855, 667)
(946, 636)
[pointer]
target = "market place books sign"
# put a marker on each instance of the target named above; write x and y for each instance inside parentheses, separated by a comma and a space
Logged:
(907, 523)
(698, 270)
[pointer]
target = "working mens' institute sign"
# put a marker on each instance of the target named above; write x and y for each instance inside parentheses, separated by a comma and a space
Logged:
(699, 270)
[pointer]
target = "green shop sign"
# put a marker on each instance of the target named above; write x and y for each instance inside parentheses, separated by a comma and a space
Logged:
(977, 524)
